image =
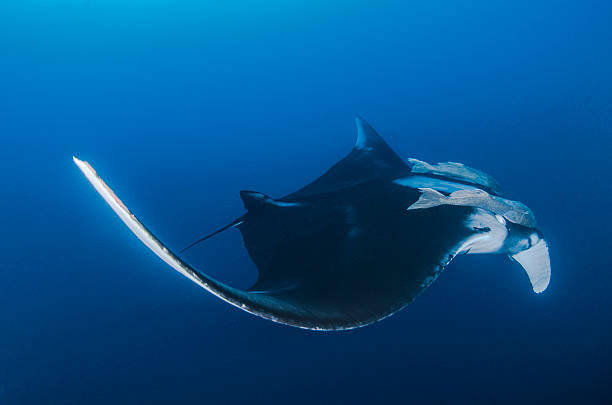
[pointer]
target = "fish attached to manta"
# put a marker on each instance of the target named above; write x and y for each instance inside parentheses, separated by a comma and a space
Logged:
(364, 239)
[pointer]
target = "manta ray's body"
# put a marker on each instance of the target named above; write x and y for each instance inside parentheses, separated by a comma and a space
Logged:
(364, 239)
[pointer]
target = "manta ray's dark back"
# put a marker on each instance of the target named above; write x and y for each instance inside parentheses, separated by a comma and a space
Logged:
(351, 257)
(344, 249)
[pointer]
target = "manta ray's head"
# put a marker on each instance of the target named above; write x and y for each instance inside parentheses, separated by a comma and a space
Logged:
(500, 226)
(522, 242)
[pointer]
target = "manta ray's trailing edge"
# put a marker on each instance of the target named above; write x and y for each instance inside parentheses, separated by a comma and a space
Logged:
(364, 239)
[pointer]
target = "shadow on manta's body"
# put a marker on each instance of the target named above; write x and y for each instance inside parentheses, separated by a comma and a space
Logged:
(364, 239)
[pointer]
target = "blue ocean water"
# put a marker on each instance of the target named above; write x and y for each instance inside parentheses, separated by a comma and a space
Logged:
(180, 104)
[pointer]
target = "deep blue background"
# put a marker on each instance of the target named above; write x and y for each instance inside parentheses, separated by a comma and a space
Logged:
(180, 104)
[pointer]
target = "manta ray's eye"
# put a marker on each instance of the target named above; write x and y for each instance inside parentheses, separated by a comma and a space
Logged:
(500, 219)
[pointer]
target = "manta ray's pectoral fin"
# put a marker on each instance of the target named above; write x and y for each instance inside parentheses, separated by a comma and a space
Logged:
(225, 292)
(263, 304)
(536, 262)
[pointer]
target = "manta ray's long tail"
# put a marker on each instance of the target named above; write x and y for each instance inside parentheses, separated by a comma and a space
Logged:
(235, 222)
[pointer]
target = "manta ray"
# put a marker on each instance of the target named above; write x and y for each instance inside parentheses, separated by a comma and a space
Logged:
(363, 240)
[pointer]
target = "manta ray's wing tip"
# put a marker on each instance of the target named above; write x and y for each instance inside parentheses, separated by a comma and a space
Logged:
(80, 163)
(86, 169)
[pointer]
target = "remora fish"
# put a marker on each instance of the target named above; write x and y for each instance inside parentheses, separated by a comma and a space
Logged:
(363, 240)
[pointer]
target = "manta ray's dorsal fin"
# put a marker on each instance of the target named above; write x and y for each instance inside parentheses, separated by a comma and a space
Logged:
(371, 158)
(254, 200)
